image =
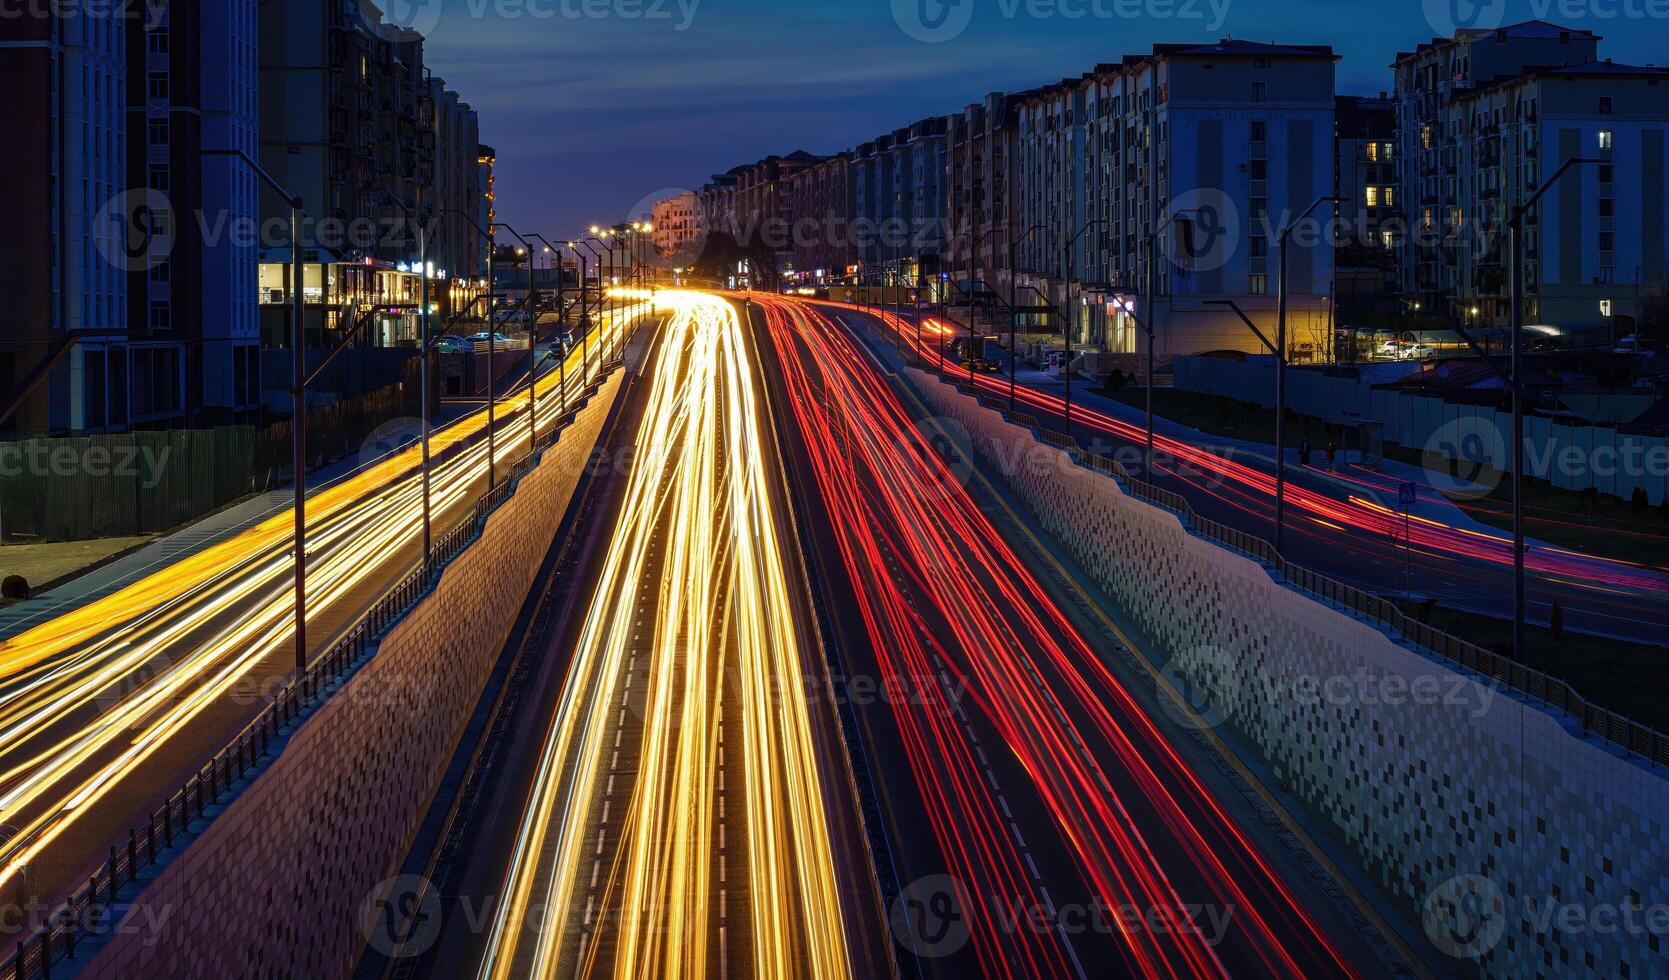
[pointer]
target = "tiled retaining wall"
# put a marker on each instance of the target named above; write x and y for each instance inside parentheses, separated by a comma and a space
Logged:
(1446, 779)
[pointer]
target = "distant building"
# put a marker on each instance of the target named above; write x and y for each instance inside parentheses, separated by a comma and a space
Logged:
(679, 226)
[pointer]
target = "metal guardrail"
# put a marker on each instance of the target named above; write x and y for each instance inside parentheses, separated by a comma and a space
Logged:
(1629, 736)
(74, 921)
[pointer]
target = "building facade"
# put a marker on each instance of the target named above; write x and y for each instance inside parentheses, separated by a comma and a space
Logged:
(63, 181)
(1369, 218)
(194, 328)
(1445, 261)
(679, 225)
(1185, 165)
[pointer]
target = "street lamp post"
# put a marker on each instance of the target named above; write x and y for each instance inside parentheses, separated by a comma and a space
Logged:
(532, 345)
(1515, 244)
(1014, 311)
(561, 315)
(424, 355)
(1150, 314)
(1067, 321)
(298, 397)
(492, 346)
(585, 335)
(1283, 290)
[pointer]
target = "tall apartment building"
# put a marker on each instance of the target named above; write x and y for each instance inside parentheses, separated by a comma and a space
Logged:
(346, 121)
(1199, 154)
(979, 143)
(876, 201)
(1450, 259)
(457, 251)
(822, 200)
(62, 257)
(1369, 219)
(194, 328)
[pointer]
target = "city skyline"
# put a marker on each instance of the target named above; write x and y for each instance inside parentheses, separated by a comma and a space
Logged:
(821, 97)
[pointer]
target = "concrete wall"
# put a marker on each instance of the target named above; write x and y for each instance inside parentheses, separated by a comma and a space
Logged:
(1448, 789)
(276, 884)
(1572, 457)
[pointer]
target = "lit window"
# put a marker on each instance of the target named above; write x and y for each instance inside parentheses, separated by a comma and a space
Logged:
(1390, 196)
(1259, 285)
(1605, 139)
(1604, 307)
(1373, 197)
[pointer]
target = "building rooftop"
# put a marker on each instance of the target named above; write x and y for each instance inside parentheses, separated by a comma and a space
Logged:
(1530, 30)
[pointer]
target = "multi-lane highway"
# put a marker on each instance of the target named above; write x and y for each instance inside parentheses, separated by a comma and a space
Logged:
(1348, 535)
(1042, 823)
(689, 812)
(108, 708)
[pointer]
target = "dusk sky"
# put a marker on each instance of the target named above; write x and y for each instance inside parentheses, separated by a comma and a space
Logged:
(592, 113)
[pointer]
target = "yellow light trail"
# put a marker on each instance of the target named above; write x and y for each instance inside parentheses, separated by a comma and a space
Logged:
(699, 493)
(161, 651)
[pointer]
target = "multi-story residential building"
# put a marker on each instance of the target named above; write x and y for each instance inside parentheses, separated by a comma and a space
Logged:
(823, 202)
(679, 227)
(194, 325)
(1436, 256)
(347, 122)
(63, 192)
(876, 204)
(1594, 246)
(718, 202)
(1052, 179)
(1199, 155)
(1369, 218)
(458, 252)
(919, 159)
(979, 143)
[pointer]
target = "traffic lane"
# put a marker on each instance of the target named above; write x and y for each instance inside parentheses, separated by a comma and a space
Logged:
(866, 926)
(133, 797)
(1468, 582)
(1105, 726)
(927, 923)
(475, 887)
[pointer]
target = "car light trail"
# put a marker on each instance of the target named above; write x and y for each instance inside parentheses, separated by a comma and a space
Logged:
(89, 696)
(1145, 830)
(1260, 486)
(719, 605)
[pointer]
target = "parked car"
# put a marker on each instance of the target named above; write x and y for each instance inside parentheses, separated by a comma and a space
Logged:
(1630, 345)
(491, 338)
(450, 344)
